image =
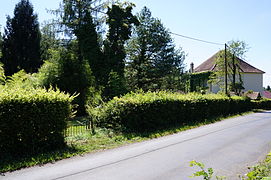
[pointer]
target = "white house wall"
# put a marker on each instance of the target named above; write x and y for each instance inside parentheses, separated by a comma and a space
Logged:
(253, 81)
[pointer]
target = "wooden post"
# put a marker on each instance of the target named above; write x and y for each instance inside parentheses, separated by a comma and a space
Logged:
(226, 71)
(234, 69)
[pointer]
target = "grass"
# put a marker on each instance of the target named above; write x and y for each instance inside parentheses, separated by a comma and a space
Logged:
(87, 142)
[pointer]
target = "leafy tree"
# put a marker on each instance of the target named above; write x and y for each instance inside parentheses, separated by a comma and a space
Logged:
(49, 40)
(65, 71)
(115, 84)
(153, 61)
(2, 75)
(1, 42)
(21, 42)
(235, 49)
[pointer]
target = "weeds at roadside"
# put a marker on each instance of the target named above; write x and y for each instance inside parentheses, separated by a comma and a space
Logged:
(261, 171)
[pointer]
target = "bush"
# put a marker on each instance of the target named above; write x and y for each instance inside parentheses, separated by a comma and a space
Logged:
(262, 104)
(32, 121)
(138, 112)
(67, 72)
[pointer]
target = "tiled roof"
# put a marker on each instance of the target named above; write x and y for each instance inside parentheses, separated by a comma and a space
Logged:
(254, 95)
(267, 94)
(210, 65)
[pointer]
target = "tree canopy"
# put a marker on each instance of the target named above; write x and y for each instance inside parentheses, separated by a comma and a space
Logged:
(21, 41)
(234, 50)
(153, 61)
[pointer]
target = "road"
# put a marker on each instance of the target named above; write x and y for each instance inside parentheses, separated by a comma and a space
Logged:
(228, 147)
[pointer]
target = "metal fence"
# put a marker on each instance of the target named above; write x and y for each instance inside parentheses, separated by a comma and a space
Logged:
(78, 126)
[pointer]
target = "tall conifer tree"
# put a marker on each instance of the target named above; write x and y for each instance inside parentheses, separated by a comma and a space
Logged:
(21, 41)
(153, 61)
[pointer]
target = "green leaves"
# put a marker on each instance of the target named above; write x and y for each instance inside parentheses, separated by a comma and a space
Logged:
(21, 42)
(150, 111)
(207, 175)
(262, 171)
(153, 62)
(32, 120)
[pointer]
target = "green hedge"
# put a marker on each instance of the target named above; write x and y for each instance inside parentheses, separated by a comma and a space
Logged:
(262, 104)
(32, 121)
(138, 112)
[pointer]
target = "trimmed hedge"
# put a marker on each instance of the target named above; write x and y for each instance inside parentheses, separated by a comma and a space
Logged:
(32, 121)
(262, 104)
(139, 112)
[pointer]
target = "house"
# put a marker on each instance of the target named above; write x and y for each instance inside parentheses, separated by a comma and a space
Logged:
(253, 95)
(266, 94)
(251, 76)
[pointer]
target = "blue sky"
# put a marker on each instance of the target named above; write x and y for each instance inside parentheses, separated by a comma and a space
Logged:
(212, 20)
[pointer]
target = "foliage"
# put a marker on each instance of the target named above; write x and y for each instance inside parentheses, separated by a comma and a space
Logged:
(85, 143)
(1, 44)
(20, 80)
(65, 71)
(199, 80)
(262, 171)
(236, 87)
(141, 112)
(115, 86)
(49, 40)
(21, 42)
(234, 51)
(153, 61)
(262, 104)
(77, 17)
(207, 175)
(237, 47)
(32, 121)
(120, 20)
(2, 75)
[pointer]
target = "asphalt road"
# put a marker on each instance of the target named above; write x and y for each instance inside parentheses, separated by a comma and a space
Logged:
(228, 146)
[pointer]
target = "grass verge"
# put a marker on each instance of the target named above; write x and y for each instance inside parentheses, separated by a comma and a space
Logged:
(85, 143)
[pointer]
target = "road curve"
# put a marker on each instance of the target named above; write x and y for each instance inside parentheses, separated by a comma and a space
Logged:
(228, 147)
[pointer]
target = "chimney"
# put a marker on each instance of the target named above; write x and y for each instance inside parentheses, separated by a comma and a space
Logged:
(191, 68)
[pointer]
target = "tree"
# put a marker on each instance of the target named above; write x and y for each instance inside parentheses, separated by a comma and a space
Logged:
(49, 40)
(120, 21)
(21, 42)
(268, 88)
(234, 51)
(2, 75)
(65, 71)
(153, 62)
(1, 43)
(77, 17)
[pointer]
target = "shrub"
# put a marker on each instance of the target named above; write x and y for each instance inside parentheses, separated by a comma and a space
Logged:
(156, 110)
(262, 104)
(32, 121)
(67, 72)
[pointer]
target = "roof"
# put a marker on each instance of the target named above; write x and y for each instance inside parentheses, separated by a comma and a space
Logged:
(210, 65)
(254, 95)
(267, 94)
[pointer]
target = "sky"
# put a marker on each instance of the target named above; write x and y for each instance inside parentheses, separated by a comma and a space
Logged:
(211, 20)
